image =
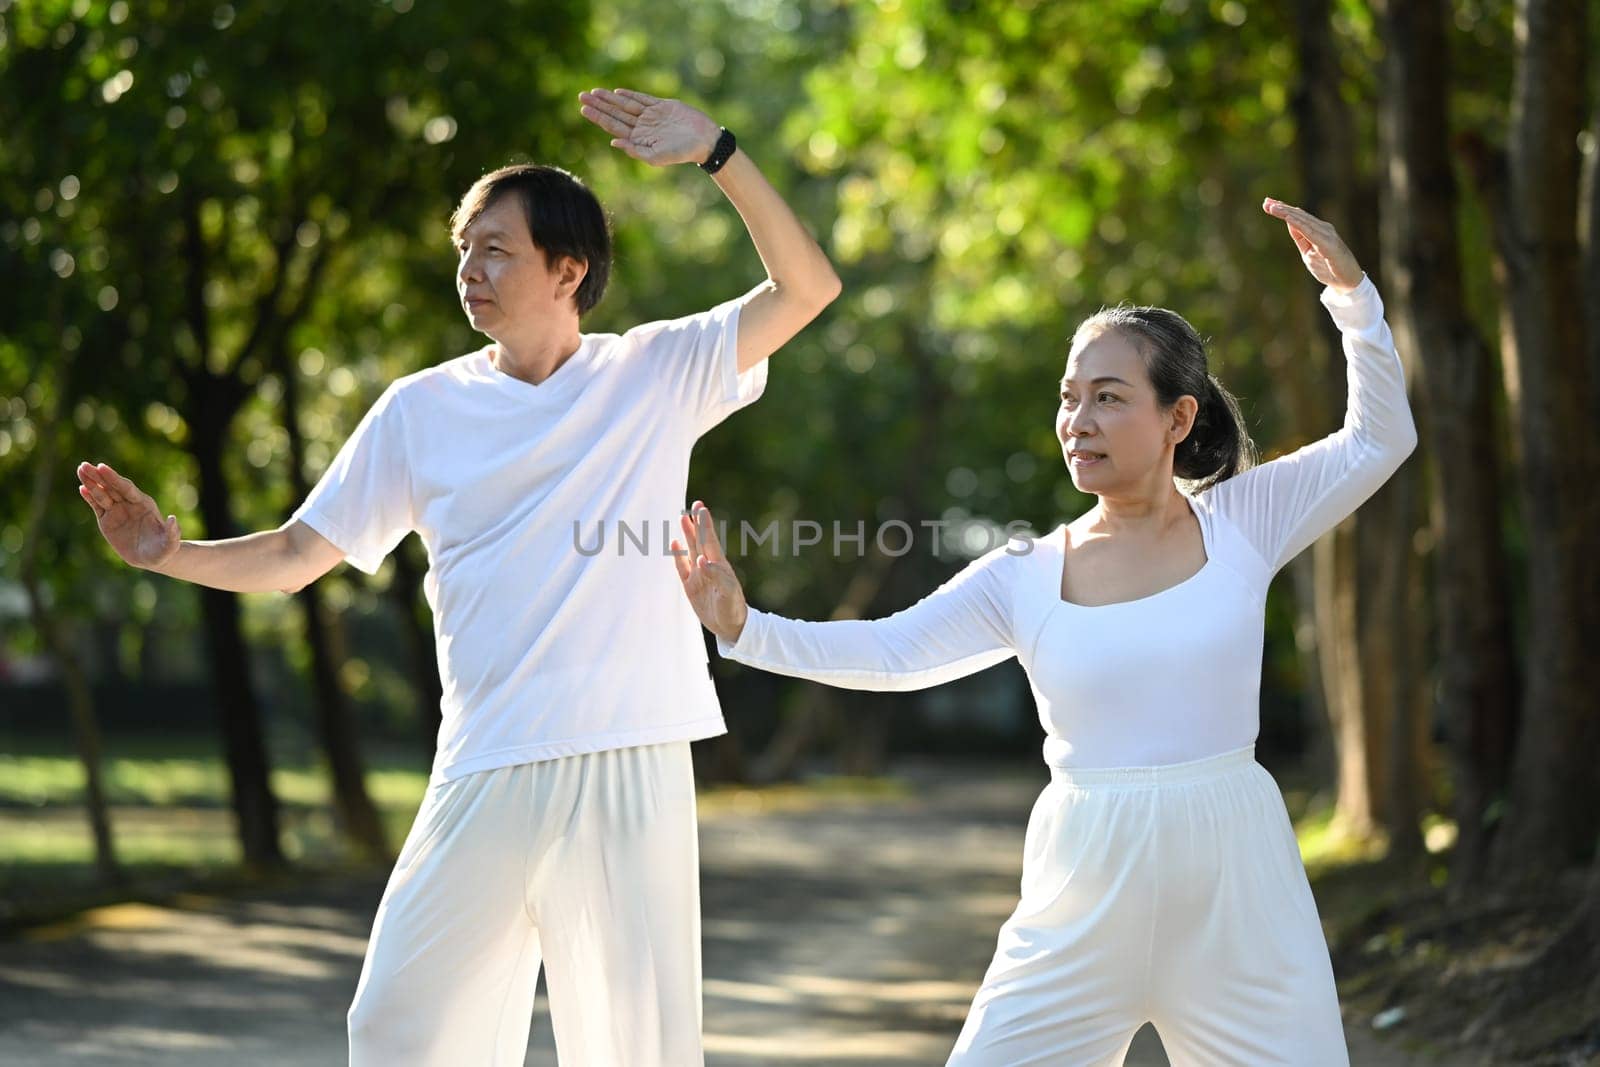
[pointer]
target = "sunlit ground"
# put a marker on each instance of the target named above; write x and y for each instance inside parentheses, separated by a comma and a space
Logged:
(847, 921)
(170, 814)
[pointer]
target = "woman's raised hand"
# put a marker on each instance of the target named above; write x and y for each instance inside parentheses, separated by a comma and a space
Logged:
(129, 519)
(1325, 255)
(659, 132)
(708, 579)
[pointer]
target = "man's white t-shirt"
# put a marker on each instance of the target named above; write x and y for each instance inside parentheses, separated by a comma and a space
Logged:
(547, 511)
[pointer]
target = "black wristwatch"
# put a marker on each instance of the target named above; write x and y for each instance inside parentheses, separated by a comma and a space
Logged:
(721, 152)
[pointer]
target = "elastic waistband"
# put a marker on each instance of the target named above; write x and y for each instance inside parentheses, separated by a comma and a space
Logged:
(1167, 774)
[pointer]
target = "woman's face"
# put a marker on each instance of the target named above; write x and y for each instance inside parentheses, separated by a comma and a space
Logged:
(1113, 433)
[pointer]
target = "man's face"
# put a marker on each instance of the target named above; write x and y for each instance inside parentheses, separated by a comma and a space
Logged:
(502, 278)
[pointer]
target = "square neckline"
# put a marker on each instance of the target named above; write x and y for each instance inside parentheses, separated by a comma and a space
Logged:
(1060, 543)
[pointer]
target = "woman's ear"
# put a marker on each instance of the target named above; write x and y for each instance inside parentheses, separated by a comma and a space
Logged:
(1182, 418)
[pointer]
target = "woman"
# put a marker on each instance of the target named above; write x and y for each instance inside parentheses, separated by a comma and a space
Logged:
(1161, 878)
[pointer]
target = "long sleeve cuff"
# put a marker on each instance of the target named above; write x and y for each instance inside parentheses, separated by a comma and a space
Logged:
(739, 649)
(1359, 309)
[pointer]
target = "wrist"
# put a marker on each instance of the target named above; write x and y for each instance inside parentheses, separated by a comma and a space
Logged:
(721, 151)
(165, 565)
(736, 630)
(707, 141)
(1346, 289)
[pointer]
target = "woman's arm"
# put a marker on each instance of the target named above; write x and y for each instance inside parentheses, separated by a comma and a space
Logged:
(958, 629)
(1282, 506)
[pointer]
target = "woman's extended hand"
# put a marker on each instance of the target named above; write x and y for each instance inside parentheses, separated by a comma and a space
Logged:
(1325, 255)
(708, 579)
(659, 132)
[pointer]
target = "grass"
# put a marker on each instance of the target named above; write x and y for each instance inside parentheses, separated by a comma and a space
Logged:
(170, 818)
(172, 824)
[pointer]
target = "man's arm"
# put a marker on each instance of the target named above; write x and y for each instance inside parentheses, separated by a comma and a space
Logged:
(287, 559)
(800, 280)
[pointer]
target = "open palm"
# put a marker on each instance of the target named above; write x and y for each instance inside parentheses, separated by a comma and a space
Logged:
(1324, 253)
(129, 519)
(648, 128)
(708, 579)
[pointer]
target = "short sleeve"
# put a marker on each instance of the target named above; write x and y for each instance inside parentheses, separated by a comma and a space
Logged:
(958, 629)
(696, 360)
(1284, 505)
(362, 503)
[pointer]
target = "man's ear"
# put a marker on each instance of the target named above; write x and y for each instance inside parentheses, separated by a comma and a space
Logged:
(570, 273)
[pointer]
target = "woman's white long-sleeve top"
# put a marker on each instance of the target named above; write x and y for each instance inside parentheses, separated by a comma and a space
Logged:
(1169, 677)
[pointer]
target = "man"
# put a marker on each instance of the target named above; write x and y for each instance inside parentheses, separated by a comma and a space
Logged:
(559, 824)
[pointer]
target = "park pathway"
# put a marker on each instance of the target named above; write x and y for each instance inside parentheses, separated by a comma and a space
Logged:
(839, 934)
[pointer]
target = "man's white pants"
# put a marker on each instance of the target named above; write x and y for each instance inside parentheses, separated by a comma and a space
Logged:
(1173, 895)
(587, 865)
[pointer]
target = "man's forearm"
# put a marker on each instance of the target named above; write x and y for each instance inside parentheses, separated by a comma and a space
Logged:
(256, 563)
(793, 259)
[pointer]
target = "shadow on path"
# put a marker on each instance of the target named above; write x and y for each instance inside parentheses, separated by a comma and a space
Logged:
(849, 934)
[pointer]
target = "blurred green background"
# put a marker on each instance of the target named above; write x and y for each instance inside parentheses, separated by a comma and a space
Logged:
(223, 232)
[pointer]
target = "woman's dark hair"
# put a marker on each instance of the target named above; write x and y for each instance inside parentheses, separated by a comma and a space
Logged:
(564, 219)
(1218, 445)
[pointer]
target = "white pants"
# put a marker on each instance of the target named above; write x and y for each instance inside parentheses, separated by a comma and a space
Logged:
(1173, 895)
(588, 865)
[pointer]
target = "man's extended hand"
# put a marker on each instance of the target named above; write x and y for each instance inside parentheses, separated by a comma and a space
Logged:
(658, 132)
(128, 518)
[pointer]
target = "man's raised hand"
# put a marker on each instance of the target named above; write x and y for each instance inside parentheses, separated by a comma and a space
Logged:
(129, 519)
(708, 579)
(648, 128)
(1325, 255)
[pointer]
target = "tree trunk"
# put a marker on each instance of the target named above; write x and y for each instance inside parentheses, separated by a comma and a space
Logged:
(209, 403)
(244, 744)
(336, 725)
(1355, 625)
(405, 593)
(1555, 797)
(1440, 346)
(1590, 229)
(80, 701)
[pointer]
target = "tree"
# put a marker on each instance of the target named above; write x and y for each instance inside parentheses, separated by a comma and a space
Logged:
(1532, 192)
(1423, 267)
(208, 201)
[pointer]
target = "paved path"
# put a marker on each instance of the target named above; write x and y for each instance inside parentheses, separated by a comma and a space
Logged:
(841, 936)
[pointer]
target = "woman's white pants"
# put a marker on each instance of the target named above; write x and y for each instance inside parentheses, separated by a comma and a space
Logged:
(1173, 895)
(587, 865)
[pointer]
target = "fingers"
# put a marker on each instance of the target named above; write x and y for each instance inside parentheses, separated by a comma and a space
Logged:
(1305, 221)
(121, 486)
(100, 476)
(619, 108)
(95, 492)
(98, 509)
(710, 545)
(691, 536)
(680, 560)
(607, 121)
(636, 99)
(614, 100)
(629, 148)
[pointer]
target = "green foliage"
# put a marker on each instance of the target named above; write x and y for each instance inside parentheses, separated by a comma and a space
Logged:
(985, 173)
(185, 186)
